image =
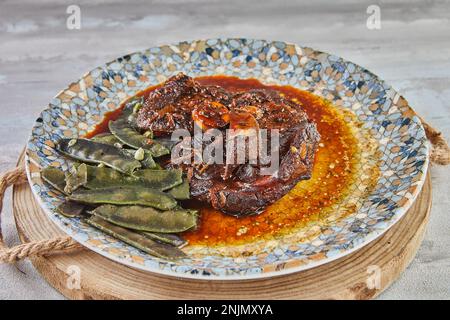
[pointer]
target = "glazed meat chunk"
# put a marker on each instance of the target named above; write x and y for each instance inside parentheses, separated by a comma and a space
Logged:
(235, 188)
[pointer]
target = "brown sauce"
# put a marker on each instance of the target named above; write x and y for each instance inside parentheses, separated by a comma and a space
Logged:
(333, 173)
(102, 126)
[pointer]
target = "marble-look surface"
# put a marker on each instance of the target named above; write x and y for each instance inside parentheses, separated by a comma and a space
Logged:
(39, 56)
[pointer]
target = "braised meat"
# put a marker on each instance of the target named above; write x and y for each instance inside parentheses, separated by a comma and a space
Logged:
(237, 188)
(170, 107)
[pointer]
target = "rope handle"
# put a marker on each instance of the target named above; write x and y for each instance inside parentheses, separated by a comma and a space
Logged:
(440, 154)
(30, 249)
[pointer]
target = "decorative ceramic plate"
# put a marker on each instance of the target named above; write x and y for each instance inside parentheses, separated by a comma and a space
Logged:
(388, 174)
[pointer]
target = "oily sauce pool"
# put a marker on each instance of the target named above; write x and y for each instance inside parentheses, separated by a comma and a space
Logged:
(333, 173)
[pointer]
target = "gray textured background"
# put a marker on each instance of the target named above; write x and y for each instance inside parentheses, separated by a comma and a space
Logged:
(39, 56)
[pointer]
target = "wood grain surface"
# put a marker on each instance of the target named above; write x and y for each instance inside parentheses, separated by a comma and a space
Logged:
(39, 56)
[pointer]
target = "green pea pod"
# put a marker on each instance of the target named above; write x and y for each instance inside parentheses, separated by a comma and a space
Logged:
(169, 238)
(101, 135)
(125, 196)
(82, 176)
(92, 177)
(166, 142)
(158, 150)
(180, 192)
(106, 139)
(147, 162)
(71, 209)
(148, 219)
(93, 152)
(122, 130)
(161, 179)
(129, 112)
(137, 240)
(55, 177)
(75, 179)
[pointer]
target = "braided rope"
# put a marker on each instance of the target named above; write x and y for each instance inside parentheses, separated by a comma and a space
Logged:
(440, 153)
(30, 249)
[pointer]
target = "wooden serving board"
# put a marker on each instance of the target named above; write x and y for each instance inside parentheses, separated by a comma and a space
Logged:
(346, 278)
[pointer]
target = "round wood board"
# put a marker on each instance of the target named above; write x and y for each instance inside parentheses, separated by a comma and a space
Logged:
(362, 274)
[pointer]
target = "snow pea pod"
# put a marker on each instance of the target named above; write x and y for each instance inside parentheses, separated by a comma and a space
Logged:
(161, 179)
(92, 177)
(95, 178)
(137, 240)
(129, 112)
(71, 209)
(169, 238)
(106, 139)
(166, 142)
(147, 162)
(181, 191)
(122, 130)
(55, 177)
(157, 149)
(93, 152)
(148, 219)
(74, 179)
(125, 196)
